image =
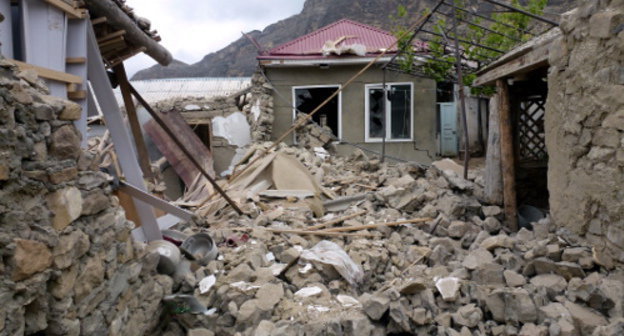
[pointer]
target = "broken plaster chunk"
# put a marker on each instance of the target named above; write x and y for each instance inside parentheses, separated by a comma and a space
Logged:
(308, 292)
(448, 288)
(375, 305)
(66, 204)
(206, 284)
(348, 301)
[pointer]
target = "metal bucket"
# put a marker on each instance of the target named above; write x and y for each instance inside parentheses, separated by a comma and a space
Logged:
(200, 247)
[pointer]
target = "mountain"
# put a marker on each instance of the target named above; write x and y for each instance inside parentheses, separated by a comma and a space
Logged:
(239, 58)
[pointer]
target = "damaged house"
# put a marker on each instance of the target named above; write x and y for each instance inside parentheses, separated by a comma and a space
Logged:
(306, 71)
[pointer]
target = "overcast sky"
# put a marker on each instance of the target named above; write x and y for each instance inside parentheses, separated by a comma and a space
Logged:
(191, 29)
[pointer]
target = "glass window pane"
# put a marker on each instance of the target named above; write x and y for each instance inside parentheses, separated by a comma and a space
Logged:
(375, 113)
(401, 104)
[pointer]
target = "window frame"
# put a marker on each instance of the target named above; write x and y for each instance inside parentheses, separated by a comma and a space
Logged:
(388, 112)
(294, 104)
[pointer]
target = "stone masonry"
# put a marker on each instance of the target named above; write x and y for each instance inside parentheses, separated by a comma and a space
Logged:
(68, 263)
(585, 124)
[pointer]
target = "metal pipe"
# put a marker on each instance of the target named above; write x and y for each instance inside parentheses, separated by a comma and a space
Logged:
(384, 119)
(462, 99)
(193, 160)
(417, 30)
(465, 41)
(522, 11)
(482, 27)
(488, 19)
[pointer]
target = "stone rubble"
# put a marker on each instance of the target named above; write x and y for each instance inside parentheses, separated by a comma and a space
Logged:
(68, 264)
(457, 274)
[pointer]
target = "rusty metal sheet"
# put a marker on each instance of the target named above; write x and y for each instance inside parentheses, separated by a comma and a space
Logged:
(181, 164)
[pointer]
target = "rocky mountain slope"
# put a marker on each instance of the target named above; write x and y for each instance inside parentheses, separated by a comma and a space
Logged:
(238, 59)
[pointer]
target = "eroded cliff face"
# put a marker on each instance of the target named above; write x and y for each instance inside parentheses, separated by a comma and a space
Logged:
(239, 58)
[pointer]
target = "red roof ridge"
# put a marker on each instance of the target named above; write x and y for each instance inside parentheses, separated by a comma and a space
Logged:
(327, 27)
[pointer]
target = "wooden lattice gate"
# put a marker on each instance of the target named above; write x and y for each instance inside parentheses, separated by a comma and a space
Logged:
(531, 138)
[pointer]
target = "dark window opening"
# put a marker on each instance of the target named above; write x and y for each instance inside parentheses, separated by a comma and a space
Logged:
(308, 99)
(445, 92)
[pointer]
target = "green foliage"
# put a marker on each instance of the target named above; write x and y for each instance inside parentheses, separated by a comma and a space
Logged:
(401, 32)
(441, 66)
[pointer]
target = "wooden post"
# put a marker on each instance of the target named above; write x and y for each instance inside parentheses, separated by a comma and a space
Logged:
(124, 87)
(507, 156)
(493, 175)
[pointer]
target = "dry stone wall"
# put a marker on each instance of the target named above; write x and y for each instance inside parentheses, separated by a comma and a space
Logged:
(585, 124)
(68, 264)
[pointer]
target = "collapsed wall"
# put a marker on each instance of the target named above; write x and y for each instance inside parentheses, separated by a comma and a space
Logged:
(68, 263)
(584, 125)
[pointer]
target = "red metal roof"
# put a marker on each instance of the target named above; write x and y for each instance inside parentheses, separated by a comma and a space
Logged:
(309, 46)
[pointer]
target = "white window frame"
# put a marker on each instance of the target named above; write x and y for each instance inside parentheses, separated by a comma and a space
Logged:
(388, 112)
(294, 104)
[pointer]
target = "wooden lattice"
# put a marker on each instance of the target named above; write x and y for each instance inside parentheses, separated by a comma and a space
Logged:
(531, 136)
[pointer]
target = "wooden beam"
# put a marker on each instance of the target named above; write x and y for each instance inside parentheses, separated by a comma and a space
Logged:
(49, 73)
(111, 36)
(77, 95)
(71, 11)
(76, 60)
(507, 156)
(137, 37)
(124, 87)
(532, 60)
(100, 20)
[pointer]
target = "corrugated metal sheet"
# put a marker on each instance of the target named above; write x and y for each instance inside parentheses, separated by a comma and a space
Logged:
(155, 90)
(373, 38)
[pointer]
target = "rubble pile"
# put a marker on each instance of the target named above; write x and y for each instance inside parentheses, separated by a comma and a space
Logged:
(311, 135)
(68, 262)
(400, 249)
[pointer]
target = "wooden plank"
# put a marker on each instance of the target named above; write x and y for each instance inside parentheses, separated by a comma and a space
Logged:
(71, 11)
(99, 20)
(534, 59)
(75, 60)
(507, 156)
(77, 95)
(135, 127)
(6, 29)
(181, 164)
(121, 139)
(111, 36)
(49, 73)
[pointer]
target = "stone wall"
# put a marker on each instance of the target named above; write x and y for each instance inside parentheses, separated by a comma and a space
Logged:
(585, 124)
(68, 264)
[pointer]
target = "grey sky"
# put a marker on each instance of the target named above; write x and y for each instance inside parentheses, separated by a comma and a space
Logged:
(191, 29)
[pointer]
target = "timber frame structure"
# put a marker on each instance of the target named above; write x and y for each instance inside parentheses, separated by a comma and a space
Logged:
(522, 60)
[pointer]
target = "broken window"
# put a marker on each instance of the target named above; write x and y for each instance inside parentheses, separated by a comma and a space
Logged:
(397, 119)
(309, 98)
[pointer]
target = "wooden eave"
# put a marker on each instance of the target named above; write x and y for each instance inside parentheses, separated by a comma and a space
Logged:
(529, 56)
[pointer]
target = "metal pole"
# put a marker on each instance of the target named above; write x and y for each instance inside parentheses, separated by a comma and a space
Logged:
(489, 19)
(184, 150)
(417, 30)
(522, 11)
(462, 99)
(383, 119)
